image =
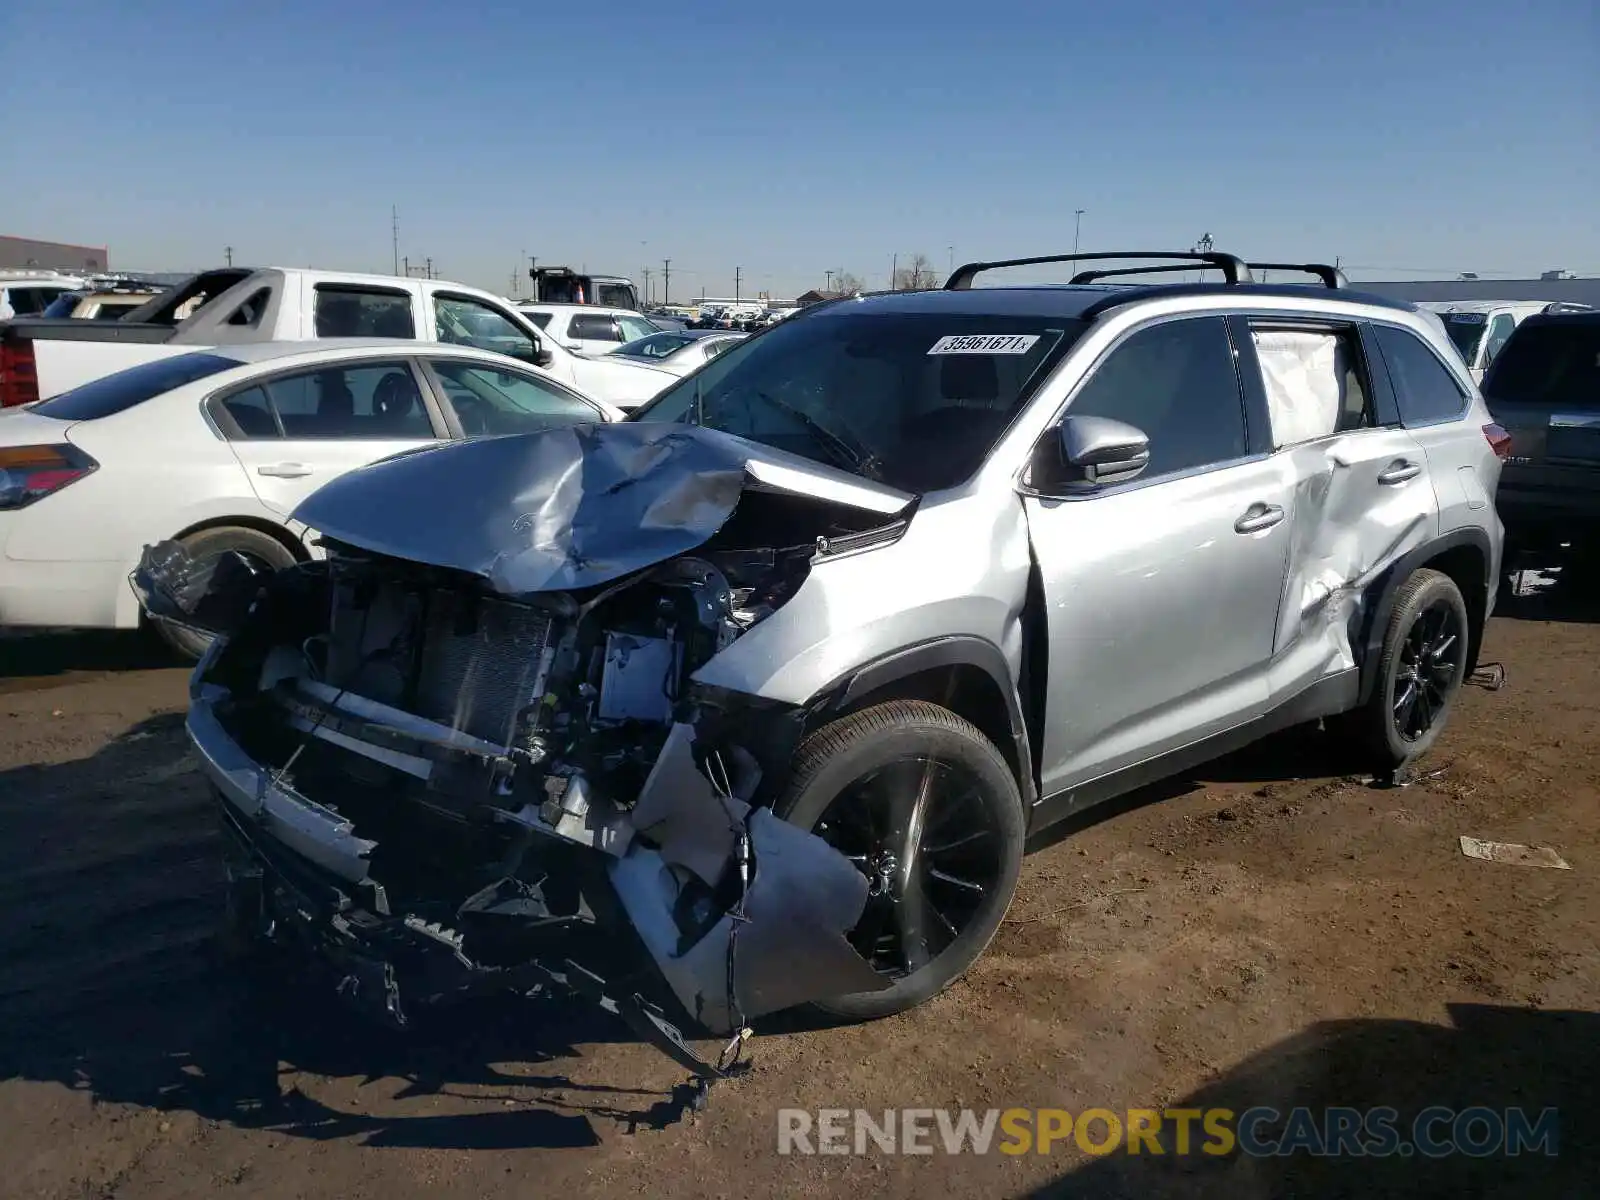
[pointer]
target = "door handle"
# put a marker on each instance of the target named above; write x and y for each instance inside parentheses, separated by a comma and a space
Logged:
(284, 470)
(1258, 517)
(1398, 471)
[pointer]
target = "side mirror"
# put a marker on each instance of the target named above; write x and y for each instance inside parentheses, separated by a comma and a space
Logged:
(1083, 453)
(537, 354)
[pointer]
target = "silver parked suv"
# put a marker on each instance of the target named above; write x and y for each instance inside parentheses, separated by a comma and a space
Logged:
(918, 573)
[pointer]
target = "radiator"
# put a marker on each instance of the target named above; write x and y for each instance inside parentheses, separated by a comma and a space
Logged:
(466, 661)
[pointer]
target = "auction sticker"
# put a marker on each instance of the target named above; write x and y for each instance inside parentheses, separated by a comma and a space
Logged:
(985, 343)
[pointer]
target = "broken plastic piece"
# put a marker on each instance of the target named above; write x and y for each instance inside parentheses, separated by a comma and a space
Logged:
(210, 594)
(1513, 854)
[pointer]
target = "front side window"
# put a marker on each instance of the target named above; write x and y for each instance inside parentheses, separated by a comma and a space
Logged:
(1313, 380)
(460, 321)
(361, 312)
(915, 400)
(1423, 387)
(1175, 381)
(489, 401)
(359, 401)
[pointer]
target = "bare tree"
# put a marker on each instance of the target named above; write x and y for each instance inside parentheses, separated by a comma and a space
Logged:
(915, 275)
(847, 284)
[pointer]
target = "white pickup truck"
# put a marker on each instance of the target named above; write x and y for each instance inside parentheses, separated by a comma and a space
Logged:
(42, 357)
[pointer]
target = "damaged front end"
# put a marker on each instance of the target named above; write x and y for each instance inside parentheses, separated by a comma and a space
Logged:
(466, 752)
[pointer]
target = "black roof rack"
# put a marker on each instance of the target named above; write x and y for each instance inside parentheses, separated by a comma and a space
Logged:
(1173, 268)
(1234, 268)
(1331, 277)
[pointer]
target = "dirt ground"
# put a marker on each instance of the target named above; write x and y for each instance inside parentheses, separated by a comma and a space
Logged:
(1267, 931)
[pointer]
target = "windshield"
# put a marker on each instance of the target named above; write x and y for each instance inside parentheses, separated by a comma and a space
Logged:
(657, 345)
(1555, 365)
(1466, 331)
(913, 400)
(114, 393)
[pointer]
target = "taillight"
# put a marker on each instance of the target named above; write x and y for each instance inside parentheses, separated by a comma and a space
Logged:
(19, 374)
(1499, 440)
(29, 473)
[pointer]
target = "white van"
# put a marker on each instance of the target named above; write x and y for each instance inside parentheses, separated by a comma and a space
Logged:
(1479, 328)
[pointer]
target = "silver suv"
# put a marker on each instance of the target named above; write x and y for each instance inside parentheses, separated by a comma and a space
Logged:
(918, 573)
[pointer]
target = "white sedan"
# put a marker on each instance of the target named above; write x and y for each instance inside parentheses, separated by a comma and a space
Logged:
(217, 447)
(680, 350)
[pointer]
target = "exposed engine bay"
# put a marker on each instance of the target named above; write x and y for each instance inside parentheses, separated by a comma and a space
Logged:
(446, 789)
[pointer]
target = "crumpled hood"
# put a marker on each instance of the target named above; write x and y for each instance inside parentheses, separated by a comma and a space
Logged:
(571, 507)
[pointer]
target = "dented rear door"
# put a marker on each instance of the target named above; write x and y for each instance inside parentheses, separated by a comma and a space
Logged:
(1359, 485)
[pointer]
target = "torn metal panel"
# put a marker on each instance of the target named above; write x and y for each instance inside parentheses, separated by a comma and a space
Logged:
(569, 508)
(679, 810)
(209, 594)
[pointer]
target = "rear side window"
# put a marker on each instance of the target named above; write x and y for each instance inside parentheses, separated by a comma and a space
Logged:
(249, 313)
(1556, 365)
(363, 312)
(114, 393)
(1175, 381)
(1313, 381)
(1423, 387)
(357, 402)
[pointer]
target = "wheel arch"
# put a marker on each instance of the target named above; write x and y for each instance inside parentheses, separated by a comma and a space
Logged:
(272, 529)
(1466, 556)
(965, 674)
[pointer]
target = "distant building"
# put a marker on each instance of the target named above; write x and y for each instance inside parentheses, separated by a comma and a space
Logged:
(1580, 291)
(816, 296)
(24, 253)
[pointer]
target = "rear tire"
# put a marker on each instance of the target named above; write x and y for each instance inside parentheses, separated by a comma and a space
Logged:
(938, 897)
(261, 548)
(1420, 671)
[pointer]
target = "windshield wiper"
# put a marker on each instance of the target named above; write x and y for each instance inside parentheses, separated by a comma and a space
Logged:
(845, 451)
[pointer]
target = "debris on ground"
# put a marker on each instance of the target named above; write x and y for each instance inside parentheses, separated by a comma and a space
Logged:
(1512, 854)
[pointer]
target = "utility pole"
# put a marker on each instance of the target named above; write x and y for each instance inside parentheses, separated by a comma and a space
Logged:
(394, 227)
(1077, 227)
(894, 272)
(407, 261)
(647, 286)
(430, 268)
(666, 281)
(828, 285)
(227, 252)
(738, 273)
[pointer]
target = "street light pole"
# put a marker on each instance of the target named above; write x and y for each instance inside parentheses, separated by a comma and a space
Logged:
(1077, 227)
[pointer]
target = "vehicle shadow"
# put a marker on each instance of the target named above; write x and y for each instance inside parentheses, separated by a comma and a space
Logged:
(1496, 1058)
(110, 982)
(27, 656)
(1300, 752)
(1552, 586)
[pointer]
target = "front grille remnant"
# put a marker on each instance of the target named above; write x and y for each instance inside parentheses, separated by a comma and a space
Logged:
(451, 656)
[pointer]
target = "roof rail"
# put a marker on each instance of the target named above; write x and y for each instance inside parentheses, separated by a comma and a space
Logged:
(1234, 268)
(1331, 277)
(1174, 268)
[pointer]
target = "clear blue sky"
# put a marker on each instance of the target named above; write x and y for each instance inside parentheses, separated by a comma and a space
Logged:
(793, 136)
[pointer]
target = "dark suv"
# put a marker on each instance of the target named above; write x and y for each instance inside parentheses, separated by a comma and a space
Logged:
(1544, 388)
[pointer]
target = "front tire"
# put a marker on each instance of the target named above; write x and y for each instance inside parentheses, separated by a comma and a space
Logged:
(1420, 671)
(260, 548)
(924, 806)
